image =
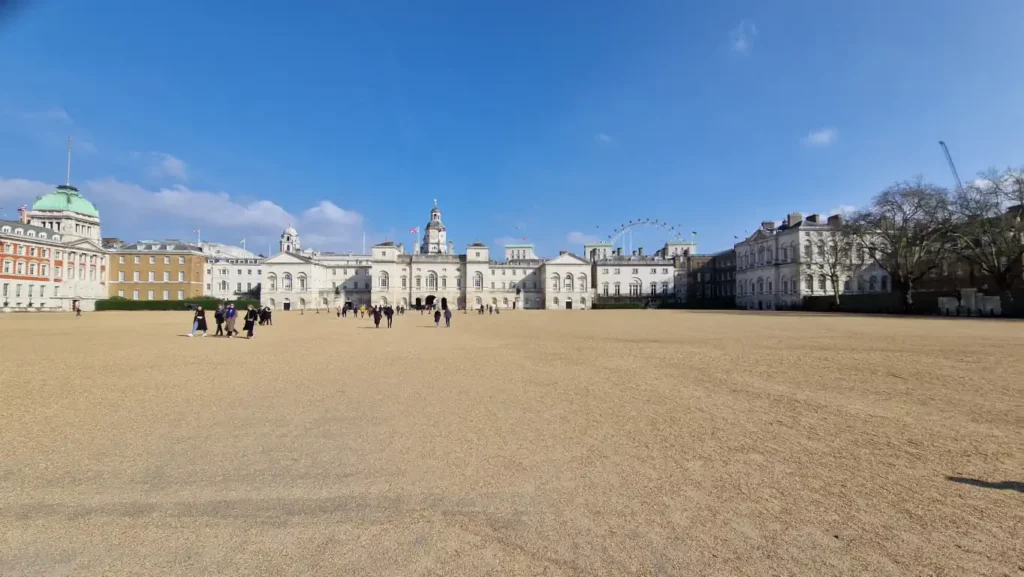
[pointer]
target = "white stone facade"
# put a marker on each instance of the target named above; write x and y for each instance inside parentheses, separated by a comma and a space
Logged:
(662, 274)
(779, 265)
(231, 271)
(432, 274)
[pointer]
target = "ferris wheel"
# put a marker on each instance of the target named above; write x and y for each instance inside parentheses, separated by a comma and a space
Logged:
(623, 234)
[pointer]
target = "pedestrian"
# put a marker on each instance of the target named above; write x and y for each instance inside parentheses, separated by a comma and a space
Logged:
(389, 313)
(270, 315)
(437, 319)
(447, 317)
(219, 317)
(229, 318)
(198, 322)
(339, 311)
(250, 321)
(376, 317)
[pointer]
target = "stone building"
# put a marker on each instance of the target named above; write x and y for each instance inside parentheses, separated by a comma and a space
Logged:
(232, 272)
(52, 257)
(157, 270)
(778, 265)
(431, 275)
(636, 275)
(712, 280)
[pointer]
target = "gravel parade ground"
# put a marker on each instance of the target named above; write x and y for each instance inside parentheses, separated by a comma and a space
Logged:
(556, 443)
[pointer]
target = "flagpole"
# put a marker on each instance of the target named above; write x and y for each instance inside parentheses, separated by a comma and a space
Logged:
(364, 242)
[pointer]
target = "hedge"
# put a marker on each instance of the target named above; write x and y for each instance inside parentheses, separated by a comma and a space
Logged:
(120, 304)
(608, 306)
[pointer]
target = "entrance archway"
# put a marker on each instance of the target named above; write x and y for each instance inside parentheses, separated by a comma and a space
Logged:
(419, 303)
(568, 303)
(287, 305)
(444, 303)
(405, 303)
(430, 301)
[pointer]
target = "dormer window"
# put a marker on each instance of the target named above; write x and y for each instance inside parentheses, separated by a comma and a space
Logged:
(56, 237)
(42, 235)
(19, 231)
(6, 229)
(31, 233)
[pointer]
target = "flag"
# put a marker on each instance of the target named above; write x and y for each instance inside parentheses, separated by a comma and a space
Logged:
(195, 230)
(23, 208)
(414, 230)
(524, 238)
(693, 233)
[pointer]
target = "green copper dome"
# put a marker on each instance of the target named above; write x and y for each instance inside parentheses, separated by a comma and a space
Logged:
(66, 198)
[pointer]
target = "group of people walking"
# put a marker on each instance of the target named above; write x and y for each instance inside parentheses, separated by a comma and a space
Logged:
(226, 317)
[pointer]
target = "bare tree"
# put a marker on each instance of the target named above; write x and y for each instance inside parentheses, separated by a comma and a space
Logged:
(907, 229)
(836, 247)
(990, 235)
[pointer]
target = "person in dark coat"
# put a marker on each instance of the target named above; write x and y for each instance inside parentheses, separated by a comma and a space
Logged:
(437, 318)
(447, 317)
(389, 313)
(250, 321)
(198, 322)
(376, 316)
(219, 317)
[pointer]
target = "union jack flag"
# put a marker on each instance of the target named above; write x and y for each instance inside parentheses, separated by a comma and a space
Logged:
(414, 230)
(23, 208)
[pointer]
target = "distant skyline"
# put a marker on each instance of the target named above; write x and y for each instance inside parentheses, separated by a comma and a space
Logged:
(555, 122)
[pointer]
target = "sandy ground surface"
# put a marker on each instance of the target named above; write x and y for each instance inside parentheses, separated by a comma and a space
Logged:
(620, 443)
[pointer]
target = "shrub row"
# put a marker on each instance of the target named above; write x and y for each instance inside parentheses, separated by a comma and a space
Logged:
(120, 304)
(608, 306)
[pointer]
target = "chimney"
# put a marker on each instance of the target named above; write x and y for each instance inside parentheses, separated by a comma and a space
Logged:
(640, 251)
(618, 251)
(23, 216)
(794, 218)
(835, 220)
(812, 219)
(634, 253)
(561, 252)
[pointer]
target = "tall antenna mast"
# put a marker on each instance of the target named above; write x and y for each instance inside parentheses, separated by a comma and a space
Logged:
(68, 182)
(952, 167)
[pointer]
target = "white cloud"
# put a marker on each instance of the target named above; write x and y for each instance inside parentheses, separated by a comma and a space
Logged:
(741, 38)
(15, 192)
(842, 209)
(603, 138)
(820, 137)
(579, 238)
(85, 146)
(168, 165)
(324, 226)
(56, 113)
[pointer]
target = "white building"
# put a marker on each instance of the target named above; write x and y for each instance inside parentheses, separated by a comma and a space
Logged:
(779, 265)
(231, 271)
(431, 275)
(638, 275)
(53, 257)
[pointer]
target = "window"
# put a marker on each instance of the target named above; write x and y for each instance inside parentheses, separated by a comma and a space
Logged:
(248, 286)
(238, 287)
(478, 281)
(149, 295)
(492, 284)
(152, 260)
(809, 283)
(432, 281)
(135, 275)
(807, 250)
(636, 271)
(555, 282)
(604, 271)
(32, 269)
(239, 272)
(120, 276)
(654, 271)
(7, 266)
(821, 282)
(383, 279)
(664, 288)
(635, 288)
(616, 271)
(419, 281)
(604, 289)
(136, 260)
(885, 283)
(872, 282)
(248, 271)
(43, 269)
(181, 295)
(21, 267)
(135, 294)
(181, 276)
(181, 260)
(120, 294)
(152, 276)
(654, 288)
(31, 251)
(167, 277)
(167, 295)
(405, 281)
(664, 271)
(444, 282)
(167, 260)
(57, 271)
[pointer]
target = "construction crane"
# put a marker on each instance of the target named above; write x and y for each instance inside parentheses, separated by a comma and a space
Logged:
(952, 167)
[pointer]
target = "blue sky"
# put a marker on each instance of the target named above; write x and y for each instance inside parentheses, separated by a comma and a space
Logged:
(554, 121)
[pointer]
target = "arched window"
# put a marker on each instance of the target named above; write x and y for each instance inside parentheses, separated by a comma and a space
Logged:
(479, 301)
(807, 251)
(760, 286)
(568, 283)
(618, 289)
(478, 282)
(555, 301)
(431, 280)
(872, 283)
(405, 281)
(809, 281)
(383, 280)
(821, 282)
(654, 288)
(272, 282)
(583, 283)
(302, 281)
(604, 289)
(287, 281)
(635, 287)
(555, 282)
(885, 283)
